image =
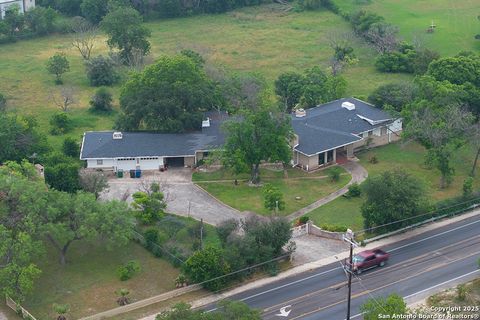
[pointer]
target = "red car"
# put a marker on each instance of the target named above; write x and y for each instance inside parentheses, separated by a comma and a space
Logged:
(368, 259)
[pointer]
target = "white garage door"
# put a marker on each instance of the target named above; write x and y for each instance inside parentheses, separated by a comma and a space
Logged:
(151, 163)
(126, 164)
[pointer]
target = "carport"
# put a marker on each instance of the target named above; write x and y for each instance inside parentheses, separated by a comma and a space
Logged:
(175, 161)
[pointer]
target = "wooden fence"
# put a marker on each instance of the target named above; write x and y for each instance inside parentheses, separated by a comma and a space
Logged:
(21, 311)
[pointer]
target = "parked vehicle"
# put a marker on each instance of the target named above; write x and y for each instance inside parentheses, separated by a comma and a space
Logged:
(368, 259)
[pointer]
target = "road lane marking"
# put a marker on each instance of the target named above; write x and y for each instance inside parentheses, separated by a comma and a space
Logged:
(333, 269)
(434, 236)
(383, 271)
(437, 285)
(284, 312)
(381, 287)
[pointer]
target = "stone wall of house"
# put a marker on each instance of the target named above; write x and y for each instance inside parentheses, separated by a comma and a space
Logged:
(189, 161)
(306, 162)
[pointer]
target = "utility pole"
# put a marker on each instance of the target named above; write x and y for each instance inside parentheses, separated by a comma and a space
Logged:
(349, 238)
(201, 234)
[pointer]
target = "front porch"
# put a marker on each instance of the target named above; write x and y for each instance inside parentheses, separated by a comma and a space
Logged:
(339, 155)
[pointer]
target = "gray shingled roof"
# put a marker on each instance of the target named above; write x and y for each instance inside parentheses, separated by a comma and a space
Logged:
(324, 127)
(147, 144)
(330, 125)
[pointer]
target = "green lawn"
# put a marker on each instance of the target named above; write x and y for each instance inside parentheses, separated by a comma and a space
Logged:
(247, 198)
(456, 21)
(260, 39)
(89, 280)
(409, 157)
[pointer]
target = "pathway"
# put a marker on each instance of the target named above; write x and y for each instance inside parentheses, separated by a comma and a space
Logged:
(359, 174)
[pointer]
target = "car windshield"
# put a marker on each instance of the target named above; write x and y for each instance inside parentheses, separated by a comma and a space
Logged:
(357, 259)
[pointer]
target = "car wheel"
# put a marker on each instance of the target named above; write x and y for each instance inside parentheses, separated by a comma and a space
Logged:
(382, 264)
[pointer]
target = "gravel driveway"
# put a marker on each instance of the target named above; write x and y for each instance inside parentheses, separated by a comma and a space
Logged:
(182, 196)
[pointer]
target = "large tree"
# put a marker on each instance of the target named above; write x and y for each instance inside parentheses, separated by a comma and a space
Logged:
(19, 138)
(289, 87)
(256, 137)
(22, 199)
(392, 196)
(442, 131)
(75, 217)
(457, 70)
(126, 32)
(169, 96)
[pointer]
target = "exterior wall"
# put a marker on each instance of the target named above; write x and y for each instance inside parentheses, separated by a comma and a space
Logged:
(189, 161)
(4, 6)
(28, 4)
(108, 164)
(307, 163)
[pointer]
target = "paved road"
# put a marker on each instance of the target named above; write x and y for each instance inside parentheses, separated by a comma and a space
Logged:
(416, 264)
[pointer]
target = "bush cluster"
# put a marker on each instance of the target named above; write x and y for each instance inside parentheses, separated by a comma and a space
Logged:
(128, 270)
(333, 228)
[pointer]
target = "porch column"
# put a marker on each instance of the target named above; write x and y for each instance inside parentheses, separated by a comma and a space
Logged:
(350, 151)
(334, 155)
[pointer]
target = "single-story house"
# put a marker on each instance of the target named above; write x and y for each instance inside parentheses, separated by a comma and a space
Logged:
(332, 132)
(326, 134)
(23, 5)
(111, 150)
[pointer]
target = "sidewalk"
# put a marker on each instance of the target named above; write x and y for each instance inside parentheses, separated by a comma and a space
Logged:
(359, 174)
(313, 265)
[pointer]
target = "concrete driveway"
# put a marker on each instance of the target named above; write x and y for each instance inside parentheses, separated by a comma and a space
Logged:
(182, 196)
(312, 248)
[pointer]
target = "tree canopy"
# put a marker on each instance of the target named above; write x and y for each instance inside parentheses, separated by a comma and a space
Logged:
(168, 96)
(126, 32)
(258, 136)
(377, 308)
(392, 196)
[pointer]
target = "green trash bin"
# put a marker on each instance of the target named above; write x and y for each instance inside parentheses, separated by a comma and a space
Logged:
(120, 173)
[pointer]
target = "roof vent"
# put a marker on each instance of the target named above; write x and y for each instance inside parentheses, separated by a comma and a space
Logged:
(206, 123)
(117, 136)
(348, 105)
(299, 113)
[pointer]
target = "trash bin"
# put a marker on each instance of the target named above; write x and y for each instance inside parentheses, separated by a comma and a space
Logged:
(132, 173)
(120, 173)
(138, 173)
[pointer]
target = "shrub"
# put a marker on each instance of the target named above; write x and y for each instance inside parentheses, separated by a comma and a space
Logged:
(58, 64)
(70, 147)
(334, 174)
(468, 186)
(461, 292)
(171, 225)
(303, 220)
(151, 237)
(101, 101)
(373, 159)
(101, 71)
(128, 270)
(333, 228)
(273, 198)
(354, 190)
(3, 103)
(61, 123)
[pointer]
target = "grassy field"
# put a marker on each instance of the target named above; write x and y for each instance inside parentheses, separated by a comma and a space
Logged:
(89, 280)
(261, 39)
(456, 21)
(246, 198)
(409, 157)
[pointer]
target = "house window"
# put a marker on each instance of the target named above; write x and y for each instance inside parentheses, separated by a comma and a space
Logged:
(330, 155)
(321, 158)
(99, 162)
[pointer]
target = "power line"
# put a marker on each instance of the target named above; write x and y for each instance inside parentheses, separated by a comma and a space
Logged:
(417, 216)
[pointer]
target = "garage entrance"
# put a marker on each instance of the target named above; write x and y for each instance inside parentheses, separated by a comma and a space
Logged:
(175, 162)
